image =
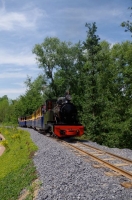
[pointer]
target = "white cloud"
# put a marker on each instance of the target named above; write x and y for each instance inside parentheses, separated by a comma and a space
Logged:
(11, 91)
(21, 59)
(20, 75)
(20, 84)
(12, 75)
(9, 69)
(91, 14)
(13, 21)
(9, 21)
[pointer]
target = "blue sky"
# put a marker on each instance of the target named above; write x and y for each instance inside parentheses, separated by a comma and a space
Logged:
(28, 22)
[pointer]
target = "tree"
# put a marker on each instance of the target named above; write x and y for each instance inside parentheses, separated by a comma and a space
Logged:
(121, 56)
(47, 58)
(58, 59)
(91, 107)
(4, 107)
(32, 99)
(127, 25)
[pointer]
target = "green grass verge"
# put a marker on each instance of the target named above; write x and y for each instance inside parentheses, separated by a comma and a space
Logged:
(16, 167)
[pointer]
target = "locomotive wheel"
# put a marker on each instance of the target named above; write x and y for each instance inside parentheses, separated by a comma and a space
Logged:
(53, 135)
(49, 130)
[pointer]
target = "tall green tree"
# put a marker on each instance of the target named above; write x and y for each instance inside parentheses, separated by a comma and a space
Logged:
(91, 104)
(121, 55)
(47, 58)
(58, 60)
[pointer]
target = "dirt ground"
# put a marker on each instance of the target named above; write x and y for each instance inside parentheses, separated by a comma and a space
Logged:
(2, 148)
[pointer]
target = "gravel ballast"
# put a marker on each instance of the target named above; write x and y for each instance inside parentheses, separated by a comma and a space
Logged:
(66, 176)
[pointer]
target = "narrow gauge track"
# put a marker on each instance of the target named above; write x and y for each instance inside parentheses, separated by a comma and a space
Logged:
(105, 158)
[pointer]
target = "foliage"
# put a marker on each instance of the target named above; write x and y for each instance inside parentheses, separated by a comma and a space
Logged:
(92, 69)
(4, 107)
(17, 169)
(127, 25)
(47, 57)
(26, 104)
(58, 61)
(108, 94)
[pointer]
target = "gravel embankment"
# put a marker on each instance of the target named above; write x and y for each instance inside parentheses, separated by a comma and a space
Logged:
(66, 176)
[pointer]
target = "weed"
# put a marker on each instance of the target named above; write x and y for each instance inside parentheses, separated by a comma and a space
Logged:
(31, 190)
(5, 144)
(17, 170)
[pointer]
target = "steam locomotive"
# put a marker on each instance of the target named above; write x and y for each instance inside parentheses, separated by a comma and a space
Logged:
(55, 118)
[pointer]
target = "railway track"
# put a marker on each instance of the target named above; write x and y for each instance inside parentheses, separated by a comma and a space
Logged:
(119, 165)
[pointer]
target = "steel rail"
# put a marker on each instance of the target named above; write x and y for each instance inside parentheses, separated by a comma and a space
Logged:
(107, 164)
(108, 153)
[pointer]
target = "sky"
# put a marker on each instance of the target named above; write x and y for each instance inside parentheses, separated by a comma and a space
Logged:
(28, 22)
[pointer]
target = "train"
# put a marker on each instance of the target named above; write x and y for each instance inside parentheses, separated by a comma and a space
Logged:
(57, 118)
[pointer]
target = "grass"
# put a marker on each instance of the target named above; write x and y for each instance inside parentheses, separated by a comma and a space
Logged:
(16, 166)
